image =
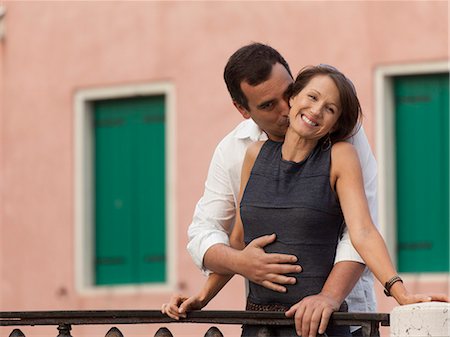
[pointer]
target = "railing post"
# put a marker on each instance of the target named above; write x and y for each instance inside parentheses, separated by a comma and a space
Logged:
(370, 329)
(64, 330)
(421, 319)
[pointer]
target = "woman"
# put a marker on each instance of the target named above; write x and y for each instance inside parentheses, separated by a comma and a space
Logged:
(302, 190)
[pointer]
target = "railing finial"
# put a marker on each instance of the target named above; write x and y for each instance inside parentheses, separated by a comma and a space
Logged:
(213, 332)
(16, 333)
(163, 332)
(114, 332)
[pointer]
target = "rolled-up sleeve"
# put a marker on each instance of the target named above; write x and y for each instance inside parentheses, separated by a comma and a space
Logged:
(345, 250)
(215, 211)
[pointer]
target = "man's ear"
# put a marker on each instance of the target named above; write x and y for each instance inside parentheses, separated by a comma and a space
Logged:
(244, 112)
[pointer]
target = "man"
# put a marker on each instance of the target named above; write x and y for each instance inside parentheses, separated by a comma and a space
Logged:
(259, 80)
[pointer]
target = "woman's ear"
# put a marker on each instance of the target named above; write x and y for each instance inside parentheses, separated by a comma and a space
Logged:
(337, 125)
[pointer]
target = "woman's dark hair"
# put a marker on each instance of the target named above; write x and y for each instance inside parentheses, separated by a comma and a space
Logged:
(349, 120)
(253, 64)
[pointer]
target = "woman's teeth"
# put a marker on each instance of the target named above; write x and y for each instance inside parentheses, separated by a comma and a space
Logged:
(308, 121)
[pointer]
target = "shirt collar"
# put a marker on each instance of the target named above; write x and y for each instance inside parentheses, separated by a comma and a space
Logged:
(249, 129)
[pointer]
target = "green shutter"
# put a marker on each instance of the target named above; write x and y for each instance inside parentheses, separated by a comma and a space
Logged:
(422, 176)
(150, 172)
(129, 190)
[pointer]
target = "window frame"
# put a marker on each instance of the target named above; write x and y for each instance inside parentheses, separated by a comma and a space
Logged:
(385, 150)
(83, 186)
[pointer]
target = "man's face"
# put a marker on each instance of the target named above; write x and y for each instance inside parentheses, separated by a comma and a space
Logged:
(268, 102)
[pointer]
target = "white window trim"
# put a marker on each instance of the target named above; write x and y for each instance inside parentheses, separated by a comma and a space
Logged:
(2, 21)
(385, 145)
(83, 187)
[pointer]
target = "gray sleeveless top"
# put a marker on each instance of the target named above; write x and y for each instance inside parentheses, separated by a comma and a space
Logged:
(295, 201)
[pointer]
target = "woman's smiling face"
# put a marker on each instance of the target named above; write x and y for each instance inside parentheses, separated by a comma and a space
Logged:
(315, 109)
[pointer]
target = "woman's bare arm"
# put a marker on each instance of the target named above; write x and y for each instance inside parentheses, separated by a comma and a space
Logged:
(363, 233)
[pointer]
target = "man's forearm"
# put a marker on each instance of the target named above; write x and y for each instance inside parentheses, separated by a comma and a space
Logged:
(222, 259)
(342, 279)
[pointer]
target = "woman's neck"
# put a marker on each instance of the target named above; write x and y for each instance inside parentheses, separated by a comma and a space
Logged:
(295, 148)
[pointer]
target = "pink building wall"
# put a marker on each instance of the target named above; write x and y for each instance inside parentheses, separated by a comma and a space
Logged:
(51, 50)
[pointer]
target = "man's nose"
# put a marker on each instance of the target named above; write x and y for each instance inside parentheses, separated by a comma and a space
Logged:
(284, 107)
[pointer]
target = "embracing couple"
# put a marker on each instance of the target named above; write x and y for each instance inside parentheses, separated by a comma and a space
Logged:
(290, 200)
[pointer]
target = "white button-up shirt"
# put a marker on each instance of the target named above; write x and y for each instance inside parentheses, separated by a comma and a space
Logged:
(215, 212)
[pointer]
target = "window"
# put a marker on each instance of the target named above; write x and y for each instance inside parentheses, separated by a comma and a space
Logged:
(412, 133)
(129, 190)
(124, 183)
(422, 172)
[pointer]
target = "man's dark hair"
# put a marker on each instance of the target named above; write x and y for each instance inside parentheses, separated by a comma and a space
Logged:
(349, 120)
(253, 64)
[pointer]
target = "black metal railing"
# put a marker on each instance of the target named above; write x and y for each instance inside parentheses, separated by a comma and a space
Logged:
(63, 320)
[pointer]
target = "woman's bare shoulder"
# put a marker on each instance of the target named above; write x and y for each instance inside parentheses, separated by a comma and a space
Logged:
(342, 149)
(344, 155)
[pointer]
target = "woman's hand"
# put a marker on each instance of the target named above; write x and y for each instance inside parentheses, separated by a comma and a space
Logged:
(402, 296)
(179, 305)
(419, 298)
(311, 314)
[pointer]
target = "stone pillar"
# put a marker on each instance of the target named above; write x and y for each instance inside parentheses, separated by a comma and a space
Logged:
(421, 319)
